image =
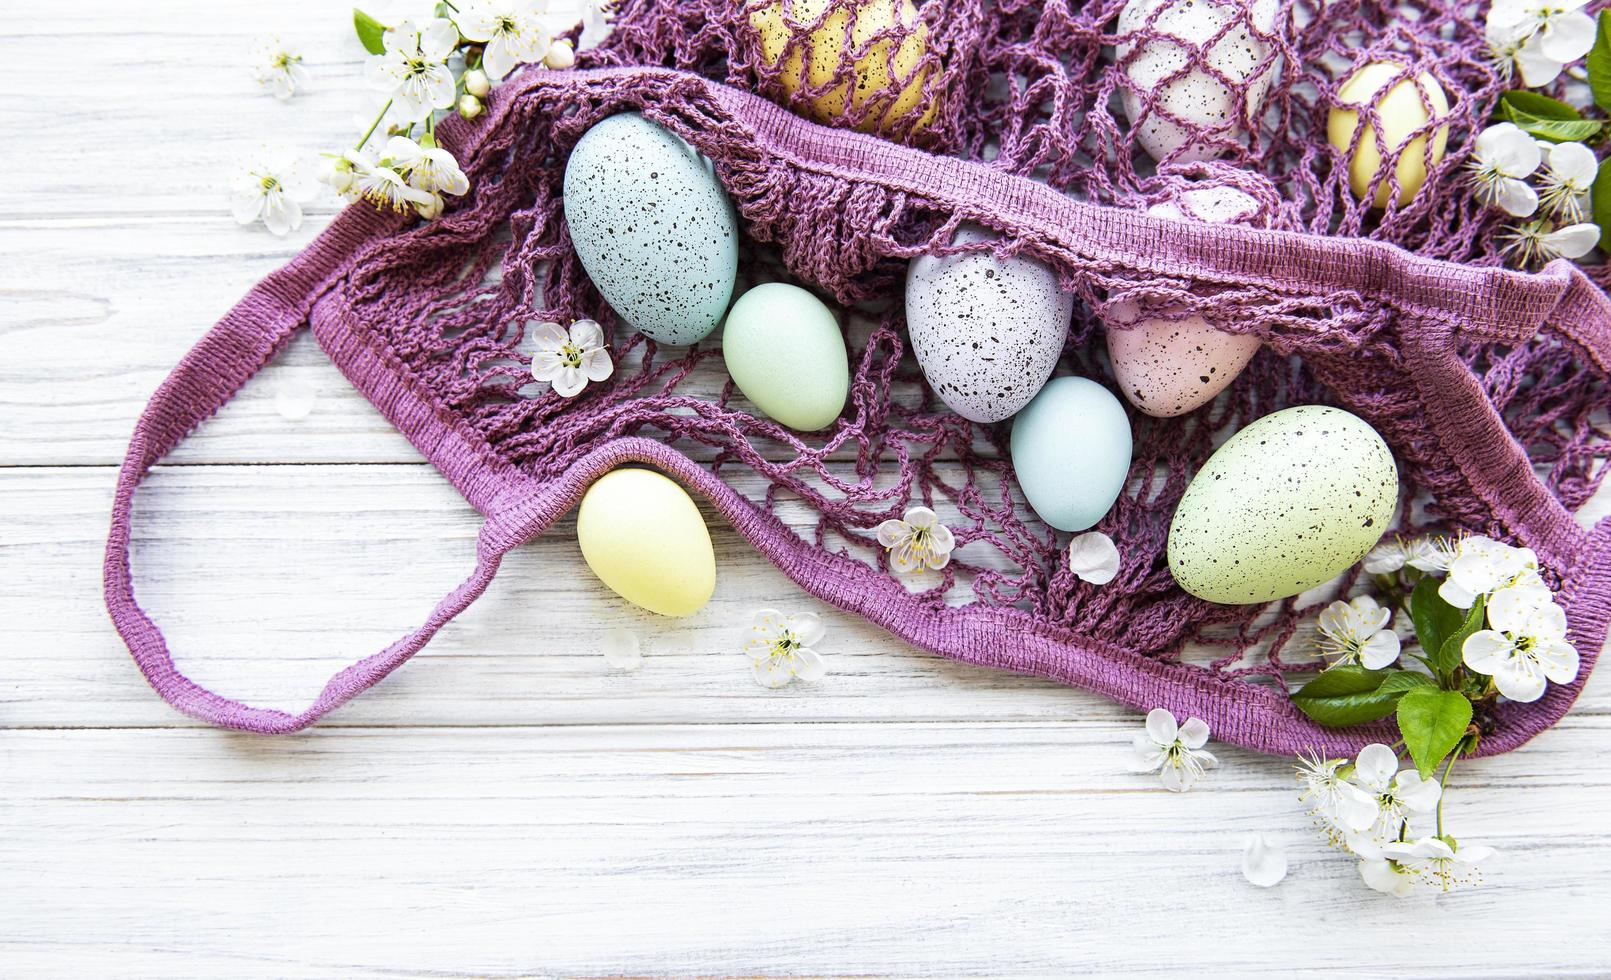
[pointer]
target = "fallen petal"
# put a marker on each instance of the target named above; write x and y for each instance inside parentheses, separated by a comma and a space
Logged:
(1263, 863)
(623, 649)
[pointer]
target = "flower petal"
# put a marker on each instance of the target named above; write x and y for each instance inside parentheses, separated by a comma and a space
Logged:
(1568, 36)
(587, 334)
(1573, 162)
(570, 382)
(1509, 150)
(1574, 241)
(1194, 733)
(1161, 727)
(1418, 795)
(1515, 197)
(1264, 863)
(1519, 680)
(892, 532)
(808, 629)
(809, 665)
(771, 672)
(1381, 650)
(546, 365)
(596, 364)
(1375, 767)
(1559, 660)
(623, 650)
(1093, 557)
(921, 517)
(1485, 651)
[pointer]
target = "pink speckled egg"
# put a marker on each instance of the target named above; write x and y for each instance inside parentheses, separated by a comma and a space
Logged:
(1168, 367)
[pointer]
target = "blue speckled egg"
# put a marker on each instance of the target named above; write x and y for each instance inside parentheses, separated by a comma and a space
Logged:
(1288, 503)
(1071, 452)
(653, 227)
(987, 332)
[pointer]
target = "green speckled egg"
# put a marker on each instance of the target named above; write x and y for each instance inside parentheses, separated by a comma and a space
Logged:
(1288, 503)
(784, 351)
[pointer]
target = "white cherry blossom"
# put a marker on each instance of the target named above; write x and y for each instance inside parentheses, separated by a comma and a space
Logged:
(273, 191)
(1524, 645)
(414, 67)
(1482, 565)
(1568, 177)
(513, 31)
(1358, 632)
(1433, 861)
(570, 359)
(1174, 752)
(1502, 158)
(1340, 807)
(780, 648)
(1396, 794)
(917, 542)
(1541, 36)
(277, 66)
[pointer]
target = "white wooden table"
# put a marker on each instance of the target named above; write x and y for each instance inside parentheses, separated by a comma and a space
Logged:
(506, 804)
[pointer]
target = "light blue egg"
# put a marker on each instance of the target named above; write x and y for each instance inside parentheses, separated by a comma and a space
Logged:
(1071, 452)
(653, 227)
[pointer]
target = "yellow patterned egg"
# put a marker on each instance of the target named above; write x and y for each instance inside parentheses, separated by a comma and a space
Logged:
(642, 535)
(828, 50)
(1402, 110)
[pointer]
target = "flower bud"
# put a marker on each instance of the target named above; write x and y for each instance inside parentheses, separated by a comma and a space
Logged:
(560, 55)
(469, 106)
(477, 83)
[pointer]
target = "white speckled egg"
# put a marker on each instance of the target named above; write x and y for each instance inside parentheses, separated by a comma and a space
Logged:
(986, 331)
(1402, 110)
(1168, 367)
(1197, 98)
(1071, 451)
(1288, 503)
(653, 227)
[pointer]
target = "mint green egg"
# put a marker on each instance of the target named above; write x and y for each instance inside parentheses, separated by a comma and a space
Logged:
(785, 352)
(1288, 503)
(1071, 452)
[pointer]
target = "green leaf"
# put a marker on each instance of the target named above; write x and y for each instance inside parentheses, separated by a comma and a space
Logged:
(1434, 618)
(1547, 118)
(1452, 653)
(1432, 723)
(369, 31)
(1404, 681)
(1600, 201)
(1348, 695)
(1599, 62)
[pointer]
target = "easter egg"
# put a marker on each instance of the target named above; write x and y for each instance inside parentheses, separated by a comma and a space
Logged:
(987, 332)
(1071, 452)
(653, 227)
(1399, 103)
(1167, 367)
(784, 351)
(1286, 504)
(642, 535)
(885, 96)
(1196, 98)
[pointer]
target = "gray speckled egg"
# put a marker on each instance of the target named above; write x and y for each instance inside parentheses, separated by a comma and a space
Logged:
(987, 332)
(1288, 503)
(653, 228)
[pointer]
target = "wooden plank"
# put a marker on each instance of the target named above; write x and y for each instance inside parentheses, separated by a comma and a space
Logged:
(269, 579)
(927, 850)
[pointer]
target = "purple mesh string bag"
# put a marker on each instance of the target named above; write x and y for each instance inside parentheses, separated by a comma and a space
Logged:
(1490, 385)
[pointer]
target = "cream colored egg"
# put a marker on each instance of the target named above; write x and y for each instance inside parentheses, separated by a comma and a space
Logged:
(1197, 98)
(828, 51)
(1402, 111)
(642, 535)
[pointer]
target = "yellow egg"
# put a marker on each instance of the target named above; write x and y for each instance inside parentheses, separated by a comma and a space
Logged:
(642, 535)
(829, 51)
(1402, 112)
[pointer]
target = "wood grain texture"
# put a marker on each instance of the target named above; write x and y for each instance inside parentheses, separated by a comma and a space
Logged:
(506, 804)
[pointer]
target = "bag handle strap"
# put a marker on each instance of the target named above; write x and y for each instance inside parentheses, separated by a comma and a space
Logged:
(230, 354)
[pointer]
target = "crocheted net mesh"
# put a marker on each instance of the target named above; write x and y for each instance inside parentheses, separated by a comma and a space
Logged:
(1035, 88)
